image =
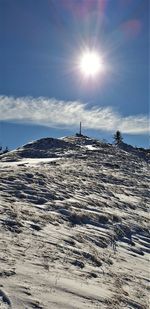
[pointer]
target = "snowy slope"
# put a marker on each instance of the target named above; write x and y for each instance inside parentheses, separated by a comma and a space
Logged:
(42, 148)
(74, 226)
(140, 152)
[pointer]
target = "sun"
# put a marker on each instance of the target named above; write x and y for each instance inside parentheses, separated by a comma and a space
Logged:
(90, 64)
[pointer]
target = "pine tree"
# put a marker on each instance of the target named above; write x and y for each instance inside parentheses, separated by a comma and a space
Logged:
(118, 137)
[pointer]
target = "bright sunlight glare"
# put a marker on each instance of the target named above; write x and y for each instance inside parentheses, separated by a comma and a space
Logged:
(90, 63)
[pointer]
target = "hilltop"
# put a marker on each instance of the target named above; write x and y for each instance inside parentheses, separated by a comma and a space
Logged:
(51, 147)
(74, 225)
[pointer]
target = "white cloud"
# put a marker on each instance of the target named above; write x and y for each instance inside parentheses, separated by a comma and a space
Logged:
(56, 113)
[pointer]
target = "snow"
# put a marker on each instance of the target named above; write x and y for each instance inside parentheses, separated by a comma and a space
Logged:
(128, 198)
(30, 161)
(74, 228)
(91, 147)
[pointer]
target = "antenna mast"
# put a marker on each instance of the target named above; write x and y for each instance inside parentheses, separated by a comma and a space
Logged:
(80, 128)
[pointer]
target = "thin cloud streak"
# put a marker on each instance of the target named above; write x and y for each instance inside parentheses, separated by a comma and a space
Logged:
(57, 113)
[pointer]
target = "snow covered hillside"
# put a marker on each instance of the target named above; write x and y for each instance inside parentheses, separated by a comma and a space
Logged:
(74, 226)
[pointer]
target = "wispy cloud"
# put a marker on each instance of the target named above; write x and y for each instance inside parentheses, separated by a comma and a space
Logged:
(56, 113)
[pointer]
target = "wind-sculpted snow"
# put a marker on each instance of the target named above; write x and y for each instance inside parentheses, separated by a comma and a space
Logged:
(74, 228)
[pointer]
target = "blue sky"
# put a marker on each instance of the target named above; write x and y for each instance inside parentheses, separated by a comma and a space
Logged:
(42, 91)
